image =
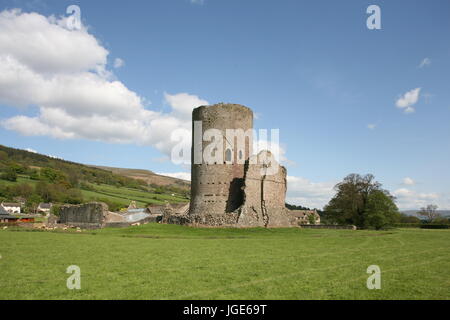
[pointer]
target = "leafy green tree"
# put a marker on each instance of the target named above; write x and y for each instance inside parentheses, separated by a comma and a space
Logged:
(18, 168)
(9, 175)
(381, 210)
(45, 191)
(34, 175)
(32, 203)
(55, 210)
(311, 219)
(23, 189)
(73, 196)
(358, 201)
(53, 175)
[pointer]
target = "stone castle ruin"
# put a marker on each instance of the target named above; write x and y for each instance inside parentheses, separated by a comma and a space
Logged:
(230, 185)
(234, 187)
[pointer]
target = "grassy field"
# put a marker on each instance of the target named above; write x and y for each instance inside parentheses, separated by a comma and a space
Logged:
(174, 262)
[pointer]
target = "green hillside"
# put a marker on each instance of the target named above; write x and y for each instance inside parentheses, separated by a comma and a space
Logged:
(36, 178)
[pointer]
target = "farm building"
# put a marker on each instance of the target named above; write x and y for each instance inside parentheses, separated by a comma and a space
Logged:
(26, 219)
(5, 217)
(44, 207)
(135, 215)
(11, 207)
(306, 216)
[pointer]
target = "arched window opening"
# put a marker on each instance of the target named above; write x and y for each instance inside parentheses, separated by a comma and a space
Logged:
(228, 155)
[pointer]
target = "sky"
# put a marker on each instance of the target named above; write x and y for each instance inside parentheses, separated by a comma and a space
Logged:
(346, 98)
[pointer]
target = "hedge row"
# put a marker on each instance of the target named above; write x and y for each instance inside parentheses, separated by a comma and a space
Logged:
(421, 225)
(435, 226)
(407, 225)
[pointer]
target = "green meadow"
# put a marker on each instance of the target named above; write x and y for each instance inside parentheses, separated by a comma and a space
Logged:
(157, 261)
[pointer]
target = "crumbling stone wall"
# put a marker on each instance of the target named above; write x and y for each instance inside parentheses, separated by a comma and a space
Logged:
(243, 193)
(112, 217)
(87, 216)
(264, 194)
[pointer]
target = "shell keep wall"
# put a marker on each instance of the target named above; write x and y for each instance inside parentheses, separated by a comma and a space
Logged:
(217, 188)
(233, 192)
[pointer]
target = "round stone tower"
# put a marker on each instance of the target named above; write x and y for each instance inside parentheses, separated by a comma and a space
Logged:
(216, 187)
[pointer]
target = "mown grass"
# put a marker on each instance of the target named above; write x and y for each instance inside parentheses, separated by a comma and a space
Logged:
(174, 262)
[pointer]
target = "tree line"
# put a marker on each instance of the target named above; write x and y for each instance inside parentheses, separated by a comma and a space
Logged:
(360, 200)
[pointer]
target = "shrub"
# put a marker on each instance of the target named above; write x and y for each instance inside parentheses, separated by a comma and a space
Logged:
(55, 210)
(9, 175)
(407, 225)
(112, 205)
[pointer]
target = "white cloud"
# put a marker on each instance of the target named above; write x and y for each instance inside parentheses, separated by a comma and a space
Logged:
(200, 2)
(425, 62)
(45, 45)
(31, 150)
(184, 103)
(408, 181)
(410, 200)
(84, 101)
(301, 191)
(371, 126)
(409, 99)
(64, 74)
(179, 175)
(118, 63)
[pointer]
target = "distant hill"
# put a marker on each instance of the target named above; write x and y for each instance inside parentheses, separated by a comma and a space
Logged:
(40, 178)
(90, 173)
(148, 176)
(443, 213)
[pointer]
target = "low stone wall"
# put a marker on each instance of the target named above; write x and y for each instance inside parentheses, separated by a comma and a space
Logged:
(327, 226)
(207, 220)
(117, 225)
(176, 219)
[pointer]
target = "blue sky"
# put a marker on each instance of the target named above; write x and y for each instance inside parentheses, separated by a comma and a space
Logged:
(310, 68)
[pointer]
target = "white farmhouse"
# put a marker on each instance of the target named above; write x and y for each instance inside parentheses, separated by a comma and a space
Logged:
(44, 207)
(11, 207)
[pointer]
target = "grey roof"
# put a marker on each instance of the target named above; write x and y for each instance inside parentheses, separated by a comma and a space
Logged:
(302, 213)
(45, 205)
(140, 210)
(5, 215)
(156, 209)
(10, 204)
(135, 217)
(3, 211)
